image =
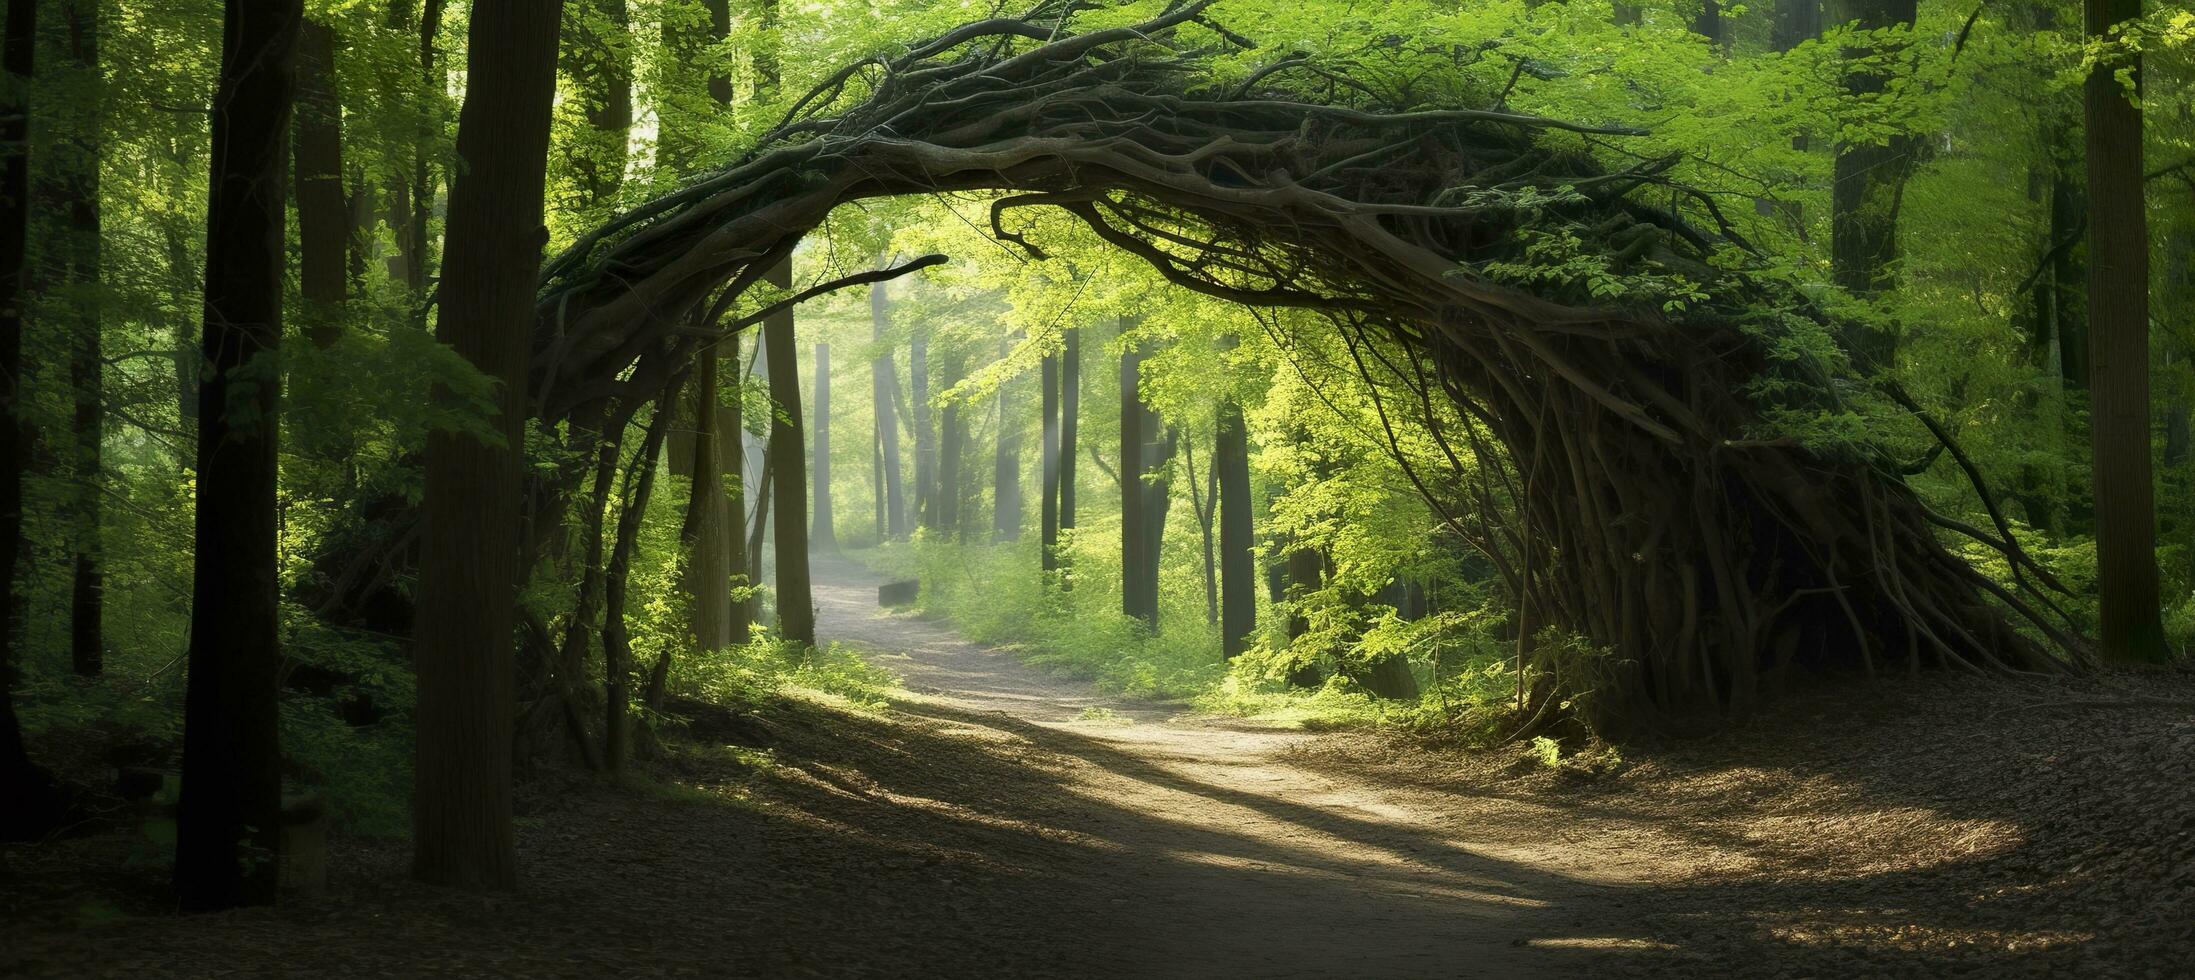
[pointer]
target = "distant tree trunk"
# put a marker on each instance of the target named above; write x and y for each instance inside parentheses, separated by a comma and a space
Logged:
(2118, 346)
(597, 57)
(617, 647)
(823, 536)
(1070, 410)
(1205, 504)
(411, 197)
(27, 788)
(1795, 22)
(1708, 23)
(468, 565)
(1869, 179)
(1237, 562)
(952, 446)
(918, 371)
(884, 381)
(1048, 467)
(761, 522)
(1006, 470)
(76, 179)
(732, 428)
(229, 818)
(323, 216)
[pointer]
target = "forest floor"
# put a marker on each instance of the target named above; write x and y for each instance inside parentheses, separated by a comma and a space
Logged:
(999, 821)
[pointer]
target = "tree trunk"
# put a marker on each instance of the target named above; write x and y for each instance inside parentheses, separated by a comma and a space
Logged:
(788, 478)
(28, 788)
(1869, 179)
(229, 819)
(1237, 562)
(2118, 349)
(1143, 502)
(952, 446)
(1048, 467)
(1006, 470)
(411, 196)
(468, 564)
(597, 57)
(323, 217)
(732, 429)
(1070, 410)
(617, 647)
(707, 530)
(823, 535)
(918, 371)
(76, 185)
(883, 382)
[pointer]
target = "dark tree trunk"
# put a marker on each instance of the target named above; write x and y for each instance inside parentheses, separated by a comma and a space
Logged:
(617, 646)
(1048, 466)
(1237, 559)
(795, 609)
(597, 58)
(2118, 352)
(1006, 470)
(1796, 21)
(28, 788)
(76, 185)
(229, 818)
(952, 446)
(1708, 23)
(708, 527)
(788, 478)
(823, 534)
(411, 196)
(468, 565)
(323, 216)
(1144, 452)
(1869, 180)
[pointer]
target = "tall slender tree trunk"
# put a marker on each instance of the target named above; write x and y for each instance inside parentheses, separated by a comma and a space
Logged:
(707, 527)
(468, 568)
(1144, 452)
(27, 787)
(788, 477)
(884, 381)
(1070, 410)
(823, 535)
(229, 815)
(1006, 470)
(2118, 349)
(1869, 179)
(596, 52)
(918, 377)
(952, 446)
(617, 646)
(795, 608)
(411, 196)
(1048, 467)
(323, 216)
(732, 428)
(1237, 557)
(76, 179)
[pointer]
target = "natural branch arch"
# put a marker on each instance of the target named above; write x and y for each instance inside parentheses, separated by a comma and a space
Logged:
(1668, 529)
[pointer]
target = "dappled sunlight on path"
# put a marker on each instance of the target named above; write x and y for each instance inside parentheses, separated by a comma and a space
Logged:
(1238, 862)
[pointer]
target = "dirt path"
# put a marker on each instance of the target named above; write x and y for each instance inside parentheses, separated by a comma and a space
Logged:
(1243, 864)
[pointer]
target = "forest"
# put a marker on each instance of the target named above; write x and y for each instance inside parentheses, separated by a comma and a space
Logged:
(1093, 488)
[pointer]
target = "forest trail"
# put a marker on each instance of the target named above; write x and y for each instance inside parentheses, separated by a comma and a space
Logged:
(1229, 860)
